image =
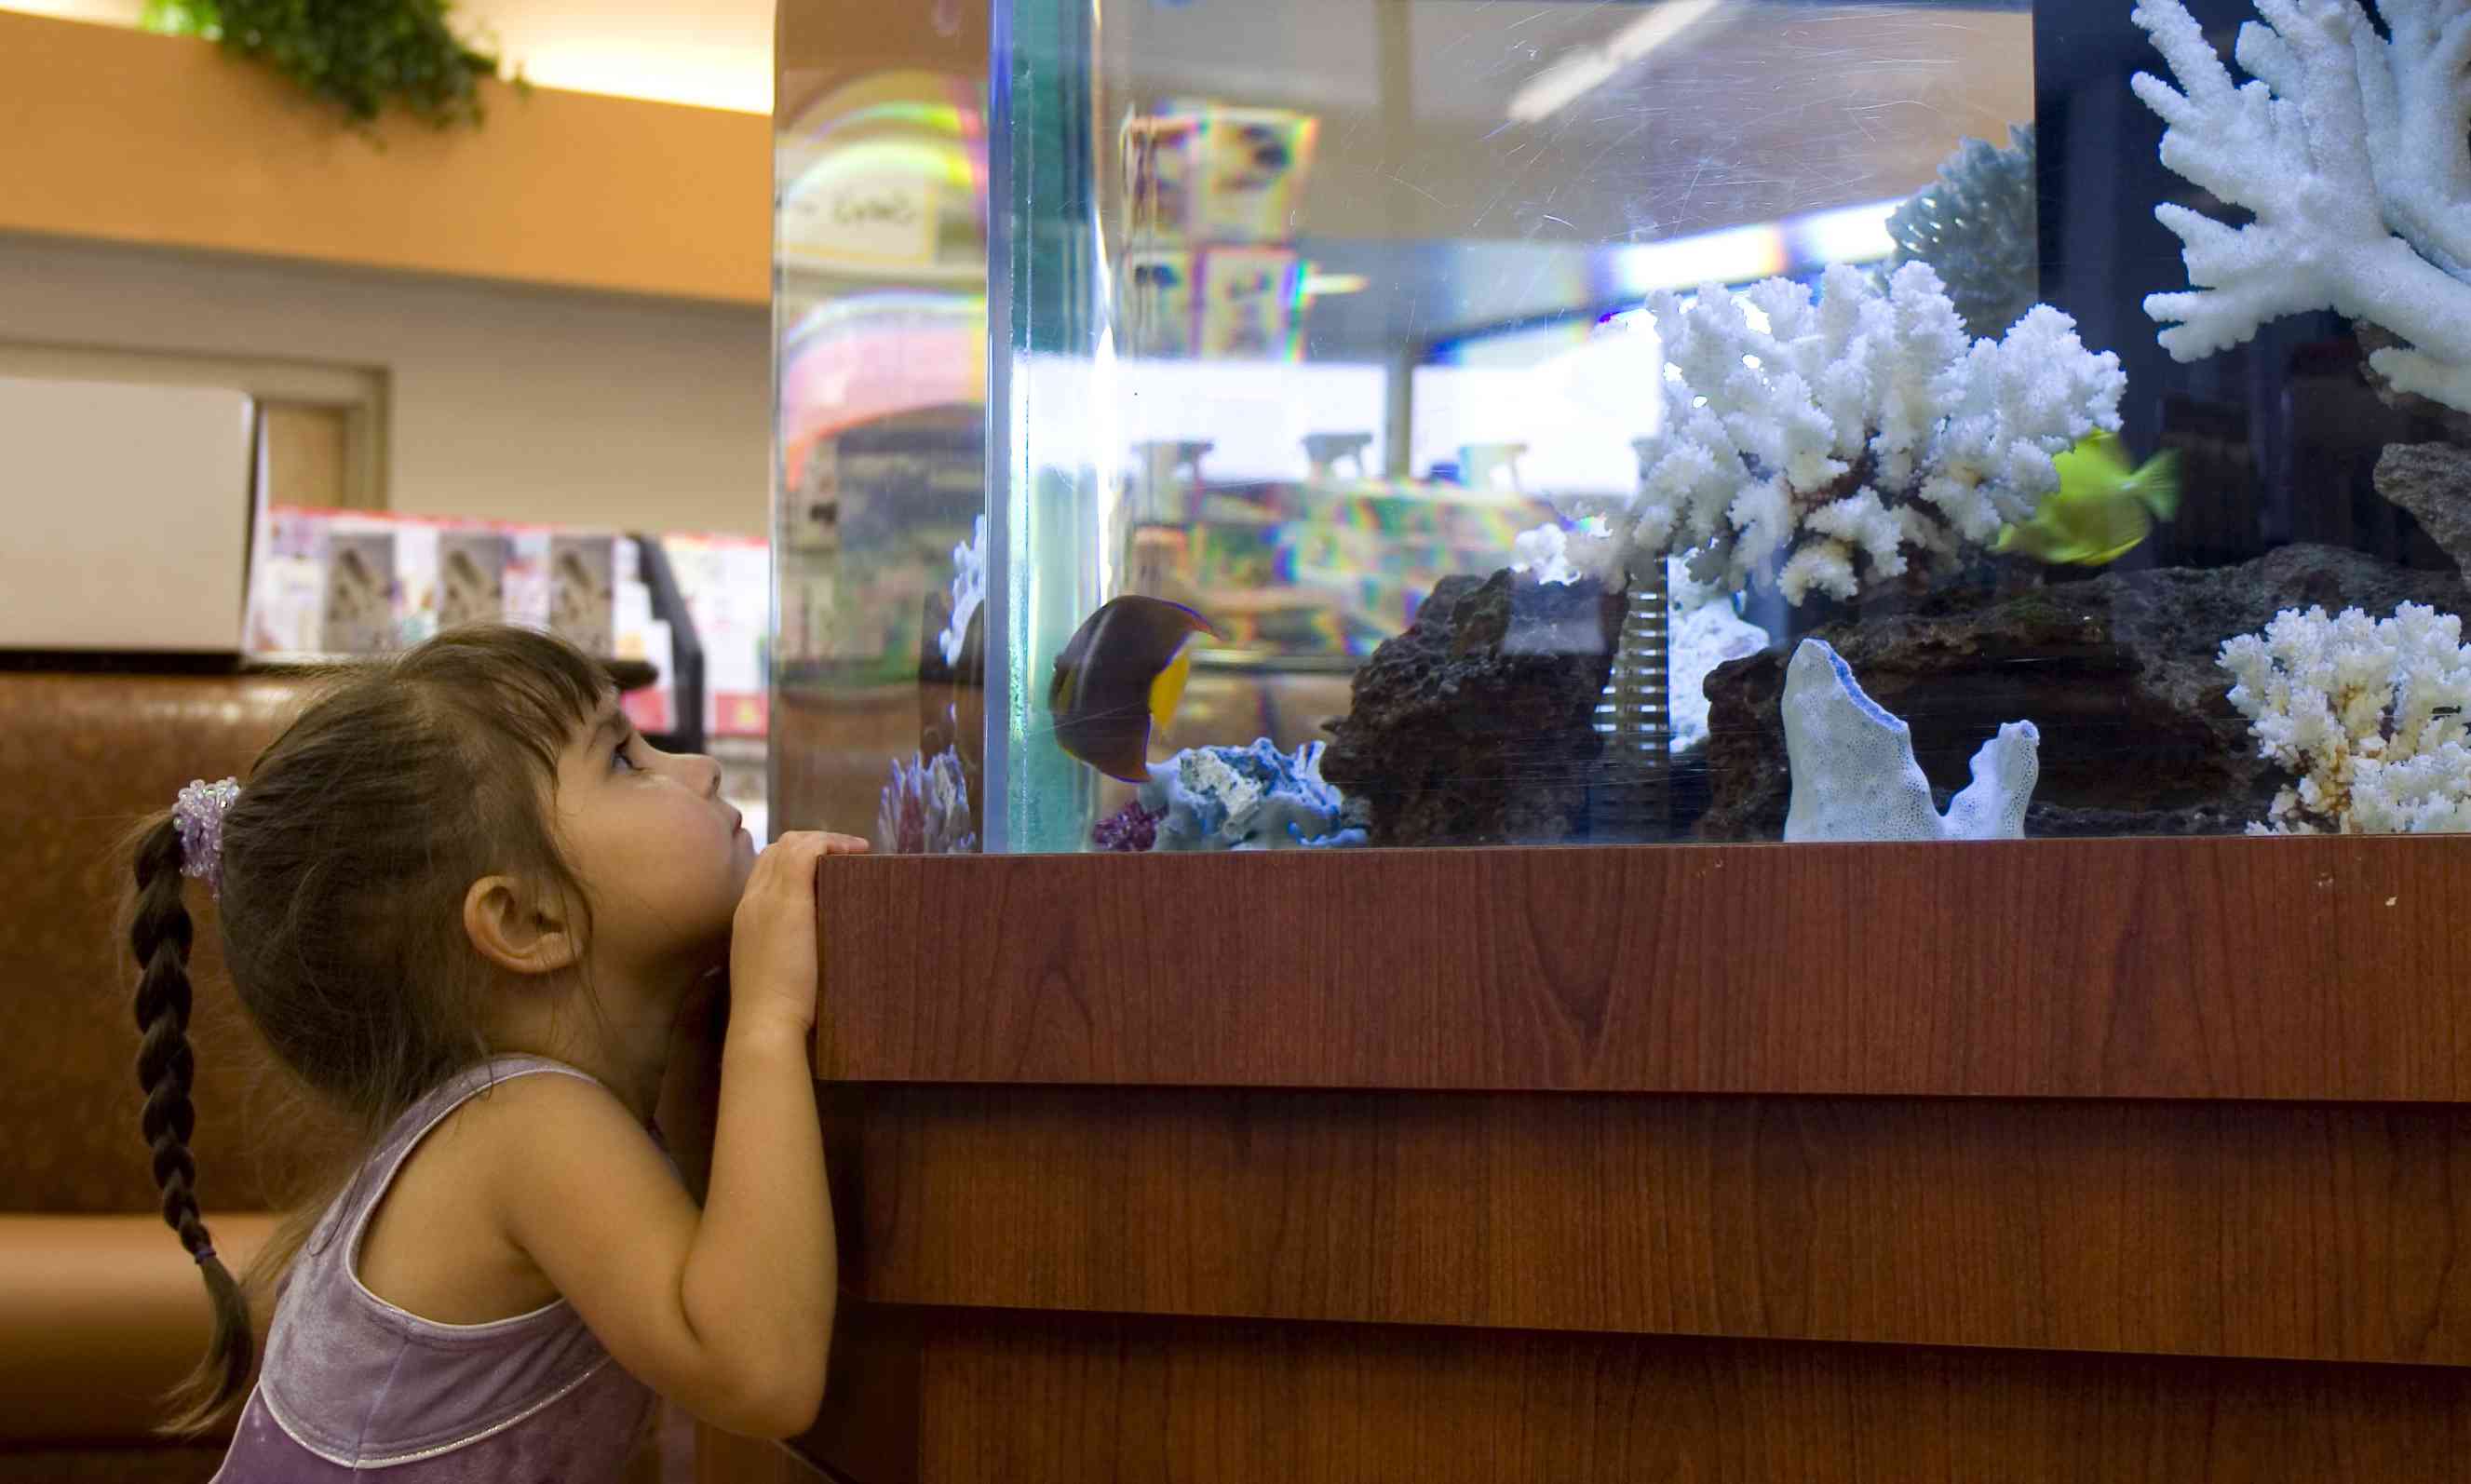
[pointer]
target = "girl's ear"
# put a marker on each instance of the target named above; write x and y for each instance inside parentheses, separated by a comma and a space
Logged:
(518, 927)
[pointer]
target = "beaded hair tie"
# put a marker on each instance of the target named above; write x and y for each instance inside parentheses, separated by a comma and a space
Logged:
(199, 816)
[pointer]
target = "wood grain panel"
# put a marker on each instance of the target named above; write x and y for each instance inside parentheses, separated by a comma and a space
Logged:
(2258, 1229)
(2274, 969)
(725, 1458)
(1042, 1400)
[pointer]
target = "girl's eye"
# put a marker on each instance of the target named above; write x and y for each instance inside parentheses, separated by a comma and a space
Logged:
(618, 756)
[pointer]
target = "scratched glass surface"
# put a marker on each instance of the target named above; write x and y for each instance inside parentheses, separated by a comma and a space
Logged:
(1409, 422)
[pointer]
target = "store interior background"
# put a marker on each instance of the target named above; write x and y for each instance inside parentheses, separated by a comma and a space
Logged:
(510, 390)
(559, 320)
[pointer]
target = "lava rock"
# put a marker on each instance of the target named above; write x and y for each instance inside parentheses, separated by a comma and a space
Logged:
(1477, 725)
(2119, 674)
(2433, 482)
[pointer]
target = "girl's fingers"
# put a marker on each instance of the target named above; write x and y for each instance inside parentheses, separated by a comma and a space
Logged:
(789, 859)
(788, 863)
(825, 842)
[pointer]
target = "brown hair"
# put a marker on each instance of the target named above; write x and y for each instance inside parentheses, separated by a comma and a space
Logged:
(345, 859)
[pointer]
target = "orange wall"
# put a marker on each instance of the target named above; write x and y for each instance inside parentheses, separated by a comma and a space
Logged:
(166, 141)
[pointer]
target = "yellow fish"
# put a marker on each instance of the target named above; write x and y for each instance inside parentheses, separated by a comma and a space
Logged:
(2101, 509)
(1120, 678)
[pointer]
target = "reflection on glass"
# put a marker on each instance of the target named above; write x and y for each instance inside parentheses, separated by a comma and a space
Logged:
(880, 381)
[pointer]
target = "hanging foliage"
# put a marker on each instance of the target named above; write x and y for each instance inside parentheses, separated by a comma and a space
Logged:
(359, 55)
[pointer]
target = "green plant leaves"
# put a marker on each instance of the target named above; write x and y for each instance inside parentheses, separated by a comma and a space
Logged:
(359, 55)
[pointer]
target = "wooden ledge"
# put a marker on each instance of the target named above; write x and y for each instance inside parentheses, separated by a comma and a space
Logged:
(2320, 969)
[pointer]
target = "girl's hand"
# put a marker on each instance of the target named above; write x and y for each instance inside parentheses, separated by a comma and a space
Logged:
(772, 937)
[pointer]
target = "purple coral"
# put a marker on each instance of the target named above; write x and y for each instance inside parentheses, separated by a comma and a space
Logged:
(1131, 829)
(926, 809)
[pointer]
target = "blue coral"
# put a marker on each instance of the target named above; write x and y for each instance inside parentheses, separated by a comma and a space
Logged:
(1246, 798)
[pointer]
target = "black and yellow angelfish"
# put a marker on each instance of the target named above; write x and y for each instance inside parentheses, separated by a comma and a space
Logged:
(2101, 509)
(1122, 676)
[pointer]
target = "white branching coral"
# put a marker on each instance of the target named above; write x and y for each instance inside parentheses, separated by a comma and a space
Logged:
(1545, 551)
(2352, 151)
(1554, 552)
(1849, 435)
(969, 592)
(2367, 711)
(1978, 227)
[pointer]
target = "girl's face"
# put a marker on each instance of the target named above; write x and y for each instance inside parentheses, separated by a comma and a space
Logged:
(661, 853)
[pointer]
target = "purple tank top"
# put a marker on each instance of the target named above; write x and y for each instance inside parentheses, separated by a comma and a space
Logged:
(351, 1382)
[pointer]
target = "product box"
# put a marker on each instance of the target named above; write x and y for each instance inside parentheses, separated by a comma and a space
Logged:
(287, 588)
(1159, 167)
(1158, 304)
(1252, 169)
(1248, 303)
(415, 574)
(357, 601)
(527, 581)
(471, 577)
(582, 587)
(727, 585)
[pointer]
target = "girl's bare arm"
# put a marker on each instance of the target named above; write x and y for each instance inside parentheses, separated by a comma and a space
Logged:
(727, 1310)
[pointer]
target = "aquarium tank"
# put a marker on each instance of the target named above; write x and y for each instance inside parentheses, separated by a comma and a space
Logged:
(1328, 424)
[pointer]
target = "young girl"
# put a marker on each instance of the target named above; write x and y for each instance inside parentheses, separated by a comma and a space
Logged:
(462, 898)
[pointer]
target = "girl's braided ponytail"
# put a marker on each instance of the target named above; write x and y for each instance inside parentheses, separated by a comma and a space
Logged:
(159, 935)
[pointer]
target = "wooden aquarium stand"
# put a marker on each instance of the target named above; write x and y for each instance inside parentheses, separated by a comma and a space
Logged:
(2100, 1161)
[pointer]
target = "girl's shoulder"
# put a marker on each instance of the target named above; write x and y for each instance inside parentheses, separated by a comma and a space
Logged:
(519, 1123)
(585, 1193)
(438, 1242)
(531, 1134)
